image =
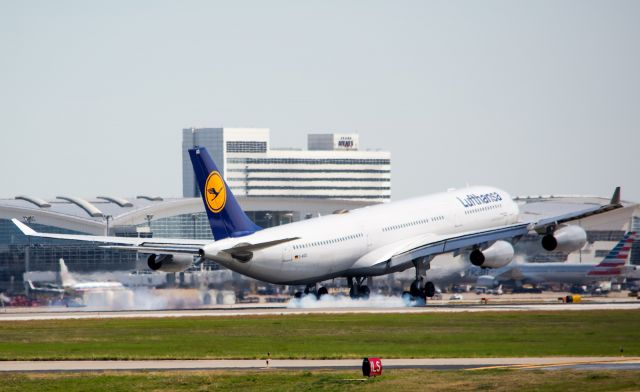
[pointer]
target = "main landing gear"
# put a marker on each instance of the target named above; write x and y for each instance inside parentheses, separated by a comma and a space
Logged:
(418, 289)
(311, 289)
(357, 289)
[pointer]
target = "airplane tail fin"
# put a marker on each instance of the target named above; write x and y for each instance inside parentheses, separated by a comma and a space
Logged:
(617, 257)
(65, 276)
(226, 218)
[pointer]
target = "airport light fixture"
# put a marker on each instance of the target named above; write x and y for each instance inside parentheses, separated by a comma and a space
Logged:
(27, 252)
(149, 217)
(108, 218)
(195, 219)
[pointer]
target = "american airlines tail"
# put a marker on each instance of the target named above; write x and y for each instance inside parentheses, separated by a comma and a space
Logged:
(614, 261)
(226, 218)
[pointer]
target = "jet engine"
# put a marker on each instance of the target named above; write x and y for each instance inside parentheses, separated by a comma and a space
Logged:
(497, 255)
(170, 262)
(568, 239)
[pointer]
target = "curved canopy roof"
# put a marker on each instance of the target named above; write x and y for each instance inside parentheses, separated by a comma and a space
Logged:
(85, 205)
(35, 200)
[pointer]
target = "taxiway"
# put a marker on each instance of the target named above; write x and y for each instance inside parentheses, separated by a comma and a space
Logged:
(472, 364)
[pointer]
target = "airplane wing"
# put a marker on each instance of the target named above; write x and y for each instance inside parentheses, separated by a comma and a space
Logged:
(545, 224)
(456, 242)
(401, 257)
(150, 245)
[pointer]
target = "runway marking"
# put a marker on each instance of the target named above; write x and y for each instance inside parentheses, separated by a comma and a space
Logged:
(557, 364)
(241, 312)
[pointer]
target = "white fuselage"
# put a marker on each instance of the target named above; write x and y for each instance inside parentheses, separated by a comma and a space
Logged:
(350, 244)
(556, 272)
(97, 286)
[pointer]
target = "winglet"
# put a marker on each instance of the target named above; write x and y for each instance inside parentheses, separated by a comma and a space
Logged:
(615, 199)
(26, 230)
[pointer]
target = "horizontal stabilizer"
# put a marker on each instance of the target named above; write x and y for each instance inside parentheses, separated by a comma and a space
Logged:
(261, 245)
(244, 252)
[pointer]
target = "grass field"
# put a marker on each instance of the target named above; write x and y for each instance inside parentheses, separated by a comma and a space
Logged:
(324, 380)
(520, 334)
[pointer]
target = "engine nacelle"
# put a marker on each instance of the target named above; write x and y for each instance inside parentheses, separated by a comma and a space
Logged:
(497, 255)
(566, 239)
(169, 262)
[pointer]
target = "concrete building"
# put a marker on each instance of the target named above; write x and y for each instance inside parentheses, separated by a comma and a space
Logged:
(333, 166)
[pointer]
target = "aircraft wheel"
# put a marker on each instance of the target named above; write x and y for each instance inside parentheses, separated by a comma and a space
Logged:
(364, 292)
(415, 289)
(430, 289)
(322, 291)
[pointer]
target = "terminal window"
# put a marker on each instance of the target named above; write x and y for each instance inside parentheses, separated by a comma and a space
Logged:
(246, 146)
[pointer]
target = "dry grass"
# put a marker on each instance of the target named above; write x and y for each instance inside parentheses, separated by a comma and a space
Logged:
(325, 380)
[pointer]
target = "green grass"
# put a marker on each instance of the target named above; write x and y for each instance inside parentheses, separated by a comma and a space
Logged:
(325, 380)
(520, 334)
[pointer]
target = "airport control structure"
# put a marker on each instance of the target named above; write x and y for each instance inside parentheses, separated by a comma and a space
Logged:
(273, 186)
(332, 167)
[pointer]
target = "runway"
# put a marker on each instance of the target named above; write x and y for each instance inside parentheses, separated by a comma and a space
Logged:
(471, 364)
(26, 314)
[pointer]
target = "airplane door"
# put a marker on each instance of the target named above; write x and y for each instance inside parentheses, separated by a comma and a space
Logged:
(286, 253)
(457, 220)
(369, 241)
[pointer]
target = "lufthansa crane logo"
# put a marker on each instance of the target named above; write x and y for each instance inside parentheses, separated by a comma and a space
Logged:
(216, 192)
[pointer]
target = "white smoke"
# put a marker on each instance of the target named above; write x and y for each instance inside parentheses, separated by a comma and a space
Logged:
(141, 299)
(137, 298)
(343, 301)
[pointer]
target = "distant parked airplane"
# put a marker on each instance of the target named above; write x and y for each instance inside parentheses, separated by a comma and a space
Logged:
(71, 285)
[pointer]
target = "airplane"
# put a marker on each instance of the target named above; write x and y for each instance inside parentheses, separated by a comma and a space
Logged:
(480, 222)
(71, 286)
(612, 267)
(70, 283)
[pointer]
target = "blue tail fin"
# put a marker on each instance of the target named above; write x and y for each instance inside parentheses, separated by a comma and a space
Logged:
(225, 215)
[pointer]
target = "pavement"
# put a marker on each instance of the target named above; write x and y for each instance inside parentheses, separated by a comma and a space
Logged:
(471, 364)
(25, 314)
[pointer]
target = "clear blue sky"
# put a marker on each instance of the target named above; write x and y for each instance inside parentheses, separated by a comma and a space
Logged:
(533, 97)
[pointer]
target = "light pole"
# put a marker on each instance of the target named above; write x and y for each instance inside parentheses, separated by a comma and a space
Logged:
(108, 218)
(27, 252)
(195, 219)
(149, 217)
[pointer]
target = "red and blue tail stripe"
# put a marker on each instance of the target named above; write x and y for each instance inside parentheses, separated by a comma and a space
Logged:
(617, 257)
